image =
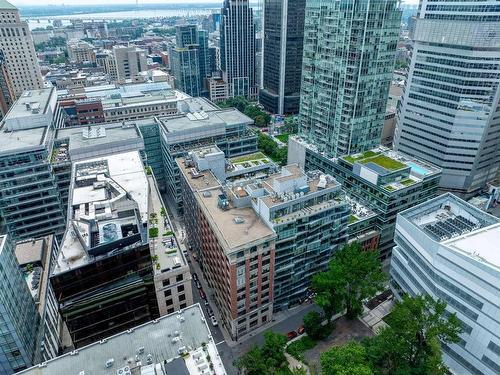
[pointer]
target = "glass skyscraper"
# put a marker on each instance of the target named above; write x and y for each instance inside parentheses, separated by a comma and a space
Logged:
(237, 48)
(18, 315)
(348, 60)
(283, 42)
(450, 113)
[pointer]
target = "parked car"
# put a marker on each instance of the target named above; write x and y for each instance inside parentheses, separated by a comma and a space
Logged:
(202, 294)
(198, 285)
(301, 330)
(205, 301)
(195, 276)
(214, 321)
(210, 311)
(291, 335)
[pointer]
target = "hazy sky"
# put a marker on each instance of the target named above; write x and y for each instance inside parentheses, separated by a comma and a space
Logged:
(81, 2)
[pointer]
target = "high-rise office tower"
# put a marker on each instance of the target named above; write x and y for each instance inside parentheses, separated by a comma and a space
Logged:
(283, 42)
(449, 113)
(19, 51)
(18, 315)
(190, 60)
(6, 92)
(348, 60)
(237, 48)
(129, 61)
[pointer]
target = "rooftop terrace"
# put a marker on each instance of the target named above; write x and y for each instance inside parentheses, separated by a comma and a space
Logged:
(182, 339)
(235, 226)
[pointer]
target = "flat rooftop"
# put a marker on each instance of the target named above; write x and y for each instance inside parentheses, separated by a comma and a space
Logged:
(222, 117)
(152, 343)
(234, 226)
(30, 102)
(79, 138)
(458, 225)
(126, 176)
(21, 139)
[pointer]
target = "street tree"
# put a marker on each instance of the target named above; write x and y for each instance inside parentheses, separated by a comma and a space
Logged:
(348, 359)
(353, 274)
(411, 343)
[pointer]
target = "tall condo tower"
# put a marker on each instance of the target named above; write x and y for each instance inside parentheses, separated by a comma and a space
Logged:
(19, 50)
(449, 113)
(347, 67)
(237, 48)
(283, 42)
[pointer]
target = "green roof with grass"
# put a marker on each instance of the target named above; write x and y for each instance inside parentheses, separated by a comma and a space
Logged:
(385, 162)
(249, 157)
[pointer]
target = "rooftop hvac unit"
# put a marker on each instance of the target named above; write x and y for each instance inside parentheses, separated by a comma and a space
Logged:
(110, 362)
(124, 371)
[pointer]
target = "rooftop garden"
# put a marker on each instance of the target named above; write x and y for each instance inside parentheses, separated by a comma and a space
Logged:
(357, 157)
(352, 219)
(283, 137)
(407, 182)
(249, 158)
(385, 162)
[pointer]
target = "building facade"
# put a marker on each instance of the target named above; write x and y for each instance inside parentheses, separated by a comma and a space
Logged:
(447, 248)
(30, 203)
(236, 250)
(6, 89)
(36, 258)
(184, 62)
(18, 314)
(81, 52)
(283, 48)
(129, 61)
(237, 48)
(347, 69)
(103, 276)
(449, 114)
(19, 50)
(384, 181)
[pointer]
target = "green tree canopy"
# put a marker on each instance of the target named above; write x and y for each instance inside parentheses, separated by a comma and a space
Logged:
(266, 360)
(353, 275)
(313, 325)
(349, 359)
(410, 345)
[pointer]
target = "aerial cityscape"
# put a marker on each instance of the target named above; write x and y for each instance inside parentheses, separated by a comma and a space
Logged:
(259, 187)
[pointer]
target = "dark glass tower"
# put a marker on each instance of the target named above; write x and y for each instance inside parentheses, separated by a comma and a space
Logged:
(237, 48)
(283, 42)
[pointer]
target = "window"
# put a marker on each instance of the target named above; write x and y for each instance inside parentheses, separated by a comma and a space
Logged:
(170, 311)
(167, 293)
(183, 305)
(179, 277)
(180, 288)
(169, 302)
(166, 282)
(182, 297)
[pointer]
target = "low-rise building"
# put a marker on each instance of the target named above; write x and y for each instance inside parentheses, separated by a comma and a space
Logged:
(35, 258)
(177, 344)
(448, 249)
(114, 103)
(385, 181)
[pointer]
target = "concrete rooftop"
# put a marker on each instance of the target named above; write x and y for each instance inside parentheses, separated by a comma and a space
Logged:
(152, 343)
